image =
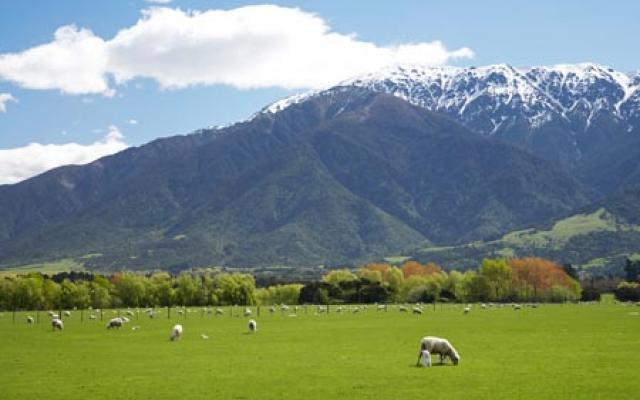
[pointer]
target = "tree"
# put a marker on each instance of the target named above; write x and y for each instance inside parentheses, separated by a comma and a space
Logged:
(337, 276)
(498, 274)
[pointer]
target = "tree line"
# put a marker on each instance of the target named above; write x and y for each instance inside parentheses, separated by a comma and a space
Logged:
(629, 290)
(497, 280)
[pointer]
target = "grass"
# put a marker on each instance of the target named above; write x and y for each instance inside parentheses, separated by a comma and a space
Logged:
(555, 351)
(64, 265)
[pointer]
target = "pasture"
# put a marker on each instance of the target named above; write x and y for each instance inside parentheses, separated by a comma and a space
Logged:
(555, 351)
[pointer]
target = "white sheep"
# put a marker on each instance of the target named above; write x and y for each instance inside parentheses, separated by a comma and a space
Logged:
(253, 326)
(115, 323)
(517, 306)
(67, 313)
(436, 345)
(247, 312)
(57, 323)
(176, 333)
(125, 320)
(416, 310)
(205, 337)
(402, 308)
(467, 310)
(92, 317)
(424, 359)
(219, 311)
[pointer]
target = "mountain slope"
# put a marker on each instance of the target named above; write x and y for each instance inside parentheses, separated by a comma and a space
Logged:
(597, 239)
(342, 177)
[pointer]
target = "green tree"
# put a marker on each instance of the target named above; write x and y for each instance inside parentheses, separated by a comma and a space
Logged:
(498, 274)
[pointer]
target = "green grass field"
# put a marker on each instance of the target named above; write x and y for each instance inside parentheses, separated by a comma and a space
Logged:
(553, 352)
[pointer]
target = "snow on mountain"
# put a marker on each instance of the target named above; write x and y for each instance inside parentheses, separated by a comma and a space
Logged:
(498, 98)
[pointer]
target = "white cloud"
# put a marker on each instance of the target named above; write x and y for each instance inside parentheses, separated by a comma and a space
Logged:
(133, 122)
(247, 47)
(75, 62)
(4, 99)
(159, 1)
(24, 162)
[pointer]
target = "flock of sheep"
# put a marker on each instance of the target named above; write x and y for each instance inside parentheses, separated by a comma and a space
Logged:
(428, 345)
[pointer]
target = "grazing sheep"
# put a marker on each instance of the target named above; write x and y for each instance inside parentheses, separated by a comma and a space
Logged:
(247, 312)
(436, 345)
(67, 313)
(125, 319)
(115, 323)
(219, 311)
(517, 306)
(272, 309)
(253, 326)
(382, 307)
(129, 313)
(483, 305)
(30, 320)
(176, 333)
(55, 316)
(424, 359)
(467, 310)
(92, 316)
(205, 337)
(402, 309)
(284, 307)
(57, 323)
(417, 310)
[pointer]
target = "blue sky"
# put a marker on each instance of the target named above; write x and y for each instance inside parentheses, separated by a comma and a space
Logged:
(139, 98)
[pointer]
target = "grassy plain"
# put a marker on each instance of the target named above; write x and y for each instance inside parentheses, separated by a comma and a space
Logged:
(555, 351)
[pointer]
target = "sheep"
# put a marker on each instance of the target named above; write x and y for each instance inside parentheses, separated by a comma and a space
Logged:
(129, 313)
(382, 307)
(176, 333)
(67, 313)
(253, 326)
(416, 310)
(467, 310)
(57, 323)
(517, 306)
(92, 317)
(284, 307)
(402, 309)
(135, 327)
(205, 337)
(219, 311)
(424, 359)
(272, 309)
(51, 313)
(55, 316)
(115, 323)
(30, 320)
(436, 345)
(247, 312)
(483, 305)
(124, 319)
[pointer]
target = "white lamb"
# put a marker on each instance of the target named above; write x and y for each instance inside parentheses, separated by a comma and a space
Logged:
(247, 312)
(424, 359)
(467, 310)
(30, 320)
(57, 323)
(436, 345)
(253, 326)
(416, 310)
(176, 333)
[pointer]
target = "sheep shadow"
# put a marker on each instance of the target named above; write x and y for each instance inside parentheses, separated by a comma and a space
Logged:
(434, 365)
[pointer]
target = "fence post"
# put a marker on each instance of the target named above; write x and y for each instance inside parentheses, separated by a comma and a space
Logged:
(82, 315)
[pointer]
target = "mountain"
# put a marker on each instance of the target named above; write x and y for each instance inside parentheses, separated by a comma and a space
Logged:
(597, 239)
(344, 176)
(567, 114)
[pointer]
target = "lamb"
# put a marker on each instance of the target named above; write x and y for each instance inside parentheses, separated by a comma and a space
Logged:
(56, 323)
(253, 326)
(436, 345)
(467, 310)
(92, 317)
(417, 310)
(402, 309)
(424, 359)
(30, 320)
(219, 311)
(176, 333)
(67, 313)
(115, 323)
(247, 312)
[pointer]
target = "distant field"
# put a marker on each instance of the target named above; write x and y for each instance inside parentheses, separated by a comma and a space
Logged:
(553, 352)
(65, 265)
